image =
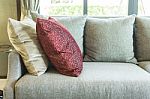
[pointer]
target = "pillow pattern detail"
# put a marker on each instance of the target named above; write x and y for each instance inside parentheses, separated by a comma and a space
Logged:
(60, 47)
(22, 35)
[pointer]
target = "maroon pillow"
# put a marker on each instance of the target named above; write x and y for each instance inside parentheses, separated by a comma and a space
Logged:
(60, 47)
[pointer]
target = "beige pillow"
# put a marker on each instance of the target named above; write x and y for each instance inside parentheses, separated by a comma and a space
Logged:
(22, 35)
(75, 25)
(142, 37)
(109, 40)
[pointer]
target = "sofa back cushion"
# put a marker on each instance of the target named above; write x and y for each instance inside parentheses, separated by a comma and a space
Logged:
(142, 38)
(60, 47)
(109, 39)
(22, 35)
(75, 25)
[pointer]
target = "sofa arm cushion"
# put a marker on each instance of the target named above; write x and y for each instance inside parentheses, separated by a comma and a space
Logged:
(14, 73)
(145, 65)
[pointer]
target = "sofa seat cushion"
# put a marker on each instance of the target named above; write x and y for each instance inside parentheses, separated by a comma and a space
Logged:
(97, 81)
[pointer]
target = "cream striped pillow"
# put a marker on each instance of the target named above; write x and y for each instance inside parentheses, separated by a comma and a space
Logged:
(22, 35)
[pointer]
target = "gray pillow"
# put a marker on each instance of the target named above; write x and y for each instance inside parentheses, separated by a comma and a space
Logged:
(142, 37)
(109, 40)
(75, 25)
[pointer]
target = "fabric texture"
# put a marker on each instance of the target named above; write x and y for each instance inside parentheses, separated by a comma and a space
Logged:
(145, 65)
(14, 73)
(22, 35)
(60, 47)
(75, 25)
(109, 39)
(97, 81)
(142, 38)
(27, 6)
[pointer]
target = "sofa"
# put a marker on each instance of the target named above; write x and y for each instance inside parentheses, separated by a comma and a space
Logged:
(110, 70)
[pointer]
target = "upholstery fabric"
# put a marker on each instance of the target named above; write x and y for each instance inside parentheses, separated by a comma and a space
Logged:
(14, 73)
(109, 39)
(27, 6)
(145, 65)
(60, 47)
(97, 81)
(75, 25)
(142, 38)
(22, 35)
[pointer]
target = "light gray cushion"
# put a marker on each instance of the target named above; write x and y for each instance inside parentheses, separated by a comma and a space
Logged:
(75, 25)
(142, 35)
(109, 39)
(97, 81)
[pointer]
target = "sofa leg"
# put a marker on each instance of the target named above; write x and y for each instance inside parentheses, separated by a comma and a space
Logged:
(1, 94)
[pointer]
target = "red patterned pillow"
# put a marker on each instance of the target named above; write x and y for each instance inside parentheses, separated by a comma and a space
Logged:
(60, 47)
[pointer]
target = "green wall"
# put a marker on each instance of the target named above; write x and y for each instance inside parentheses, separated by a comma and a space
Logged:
(7, 9)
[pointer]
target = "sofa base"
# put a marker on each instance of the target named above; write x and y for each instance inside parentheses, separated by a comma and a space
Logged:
(97, 81)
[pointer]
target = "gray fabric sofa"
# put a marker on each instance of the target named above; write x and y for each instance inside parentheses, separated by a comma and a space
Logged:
(98, 80)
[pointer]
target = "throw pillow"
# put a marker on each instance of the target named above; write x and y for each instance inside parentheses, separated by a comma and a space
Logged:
(75, 25)
(109, 40)
(60, 47)
(142, 37)
(22, 35)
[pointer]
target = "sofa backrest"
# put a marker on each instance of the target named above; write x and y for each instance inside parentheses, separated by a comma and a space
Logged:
(141, 37)
(134, 48)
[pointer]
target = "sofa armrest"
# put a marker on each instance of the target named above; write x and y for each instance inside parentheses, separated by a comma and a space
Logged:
(145, 65)
(14, 73)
